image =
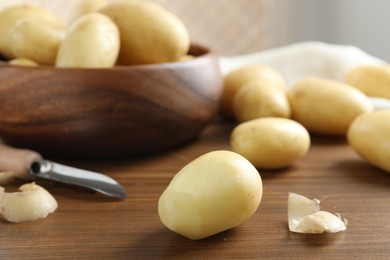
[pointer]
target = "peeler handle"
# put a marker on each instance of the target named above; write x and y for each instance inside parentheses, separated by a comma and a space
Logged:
(17, 160)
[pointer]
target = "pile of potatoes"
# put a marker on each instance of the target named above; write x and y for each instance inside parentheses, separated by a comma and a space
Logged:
(222, 189)
(274, 121)
(102, 35)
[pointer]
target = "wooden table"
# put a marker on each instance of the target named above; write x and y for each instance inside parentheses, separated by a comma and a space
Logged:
(90, 226)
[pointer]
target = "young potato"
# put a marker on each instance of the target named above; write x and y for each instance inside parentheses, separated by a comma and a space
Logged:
(260, 98)
(237, 78)
(215, 192)
(10, 15)
(373, 80)
(91, 42)
(84, 7)
(325, 106)
(23, 62)
(270, 142)
(369, 136)
(149, 33)
(36, 39)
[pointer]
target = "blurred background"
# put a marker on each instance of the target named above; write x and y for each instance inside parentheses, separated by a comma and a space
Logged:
(234, 27)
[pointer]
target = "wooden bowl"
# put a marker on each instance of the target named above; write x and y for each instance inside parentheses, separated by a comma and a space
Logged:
(109, 113)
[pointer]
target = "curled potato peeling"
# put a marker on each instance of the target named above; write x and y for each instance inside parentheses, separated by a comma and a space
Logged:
(305, 216)
(32, 202)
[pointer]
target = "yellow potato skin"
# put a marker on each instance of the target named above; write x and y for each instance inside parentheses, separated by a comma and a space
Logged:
(270, 142)
(85, 6)
(217, 191)
(237, 78)
(371, 80)
(369, 136)
(23, 62)
(36, 39)
(10, 15)
(91, 42)
(260, 98)
(149, 33)
(326, 106)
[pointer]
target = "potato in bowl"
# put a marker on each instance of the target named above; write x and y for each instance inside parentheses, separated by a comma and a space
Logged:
(109, 112)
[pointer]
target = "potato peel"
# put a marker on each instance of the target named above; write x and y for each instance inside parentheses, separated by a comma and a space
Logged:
(31, 202)
(305, 216)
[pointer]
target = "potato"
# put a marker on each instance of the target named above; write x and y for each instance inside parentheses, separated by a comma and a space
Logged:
(369, 136)
(91, 42)
(23, 62)
(36, 39)
(149, 33)
(373, 80)
(82, 7)
(260, 98)
(215, 192)
(270, 142)
(237, 78)
(10, 15)
(325, 106)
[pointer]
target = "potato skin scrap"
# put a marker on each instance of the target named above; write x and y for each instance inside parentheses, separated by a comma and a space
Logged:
(30, 203)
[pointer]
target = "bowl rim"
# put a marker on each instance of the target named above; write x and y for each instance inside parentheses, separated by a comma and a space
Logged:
(198, 51)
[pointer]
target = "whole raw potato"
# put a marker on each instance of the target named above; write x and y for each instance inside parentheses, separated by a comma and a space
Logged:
(36, 39)
(369, 136)
(325, 106)
(270, 142)
(260, 98)
(10, 15)
(82, 7)
(237, 78)
(373, 80)
(149, 33)
(91, 42)
(215, 192)
(23, 62)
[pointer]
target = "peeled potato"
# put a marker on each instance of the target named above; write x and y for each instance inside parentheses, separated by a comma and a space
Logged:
(215, 192)
(91, 42)
(149, 33)
(373, 80)
(260, 98)
(237, 78)
(270, 143)
(10, 15)
(325, 106)
(369, 136)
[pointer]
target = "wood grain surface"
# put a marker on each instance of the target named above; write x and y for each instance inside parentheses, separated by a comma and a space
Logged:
(100, 113)
(90, 226)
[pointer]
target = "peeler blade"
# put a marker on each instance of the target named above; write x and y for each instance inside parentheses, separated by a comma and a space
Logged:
(45, 169)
